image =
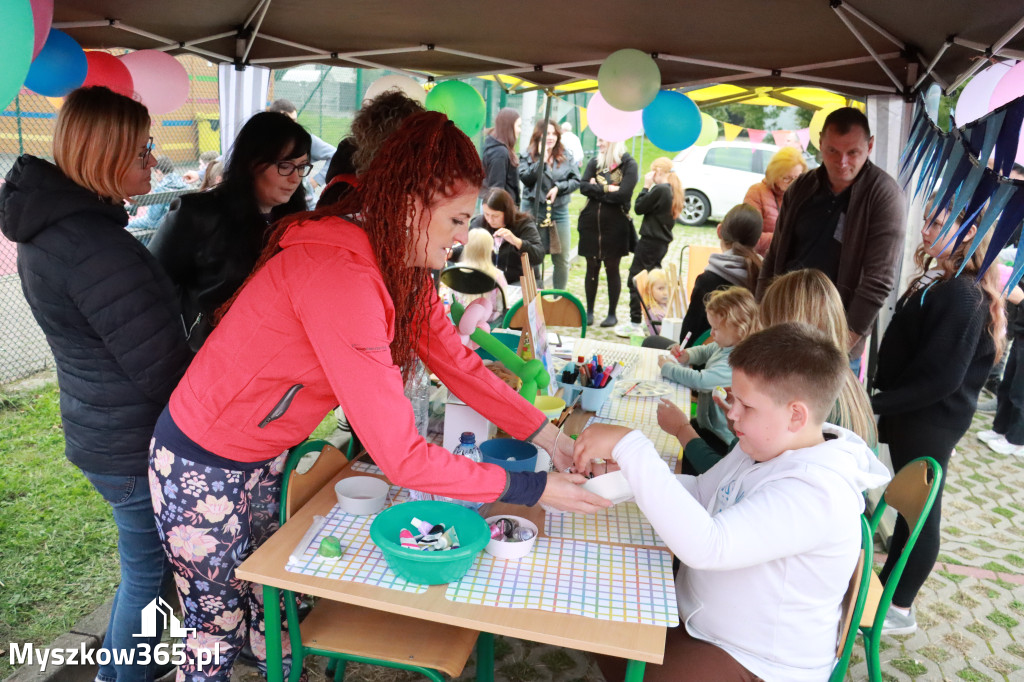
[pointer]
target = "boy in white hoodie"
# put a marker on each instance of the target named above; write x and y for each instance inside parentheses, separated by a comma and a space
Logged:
(768, 537)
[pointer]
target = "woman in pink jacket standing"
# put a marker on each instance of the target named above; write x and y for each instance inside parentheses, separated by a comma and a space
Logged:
(336, 311)
(766, 196)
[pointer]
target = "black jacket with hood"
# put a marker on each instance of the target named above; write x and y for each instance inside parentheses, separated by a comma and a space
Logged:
(109, 313)
(499, 171)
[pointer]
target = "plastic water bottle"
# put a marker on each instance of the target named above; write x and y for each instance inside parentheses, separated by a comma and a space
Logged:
(417, 390)
(467, 447)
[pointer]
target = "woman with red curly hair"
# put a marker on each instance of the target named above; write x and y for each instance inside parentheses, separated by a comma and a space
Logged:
(336, 312)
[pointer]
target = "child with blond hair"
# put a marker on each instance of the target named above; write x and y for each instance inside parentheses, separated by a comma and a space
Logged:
(732, 313)
(769, 537)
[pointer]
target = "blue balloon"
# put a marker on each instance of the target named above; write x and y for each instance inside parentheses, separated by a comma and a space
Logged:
(672, 121)
(60, 67)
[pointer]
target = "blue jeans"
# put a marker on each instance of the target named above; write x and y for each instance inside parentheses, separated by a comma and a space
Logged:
(144, 569)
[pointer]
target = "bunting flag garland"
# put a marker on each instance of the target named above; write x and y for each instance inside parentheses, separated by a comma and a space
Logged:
(731, 131)
(966, 170)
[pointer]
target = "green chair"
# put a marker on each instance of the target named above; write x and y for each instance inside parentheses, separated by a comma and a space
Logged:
(853, 602)
(345, 632)
(561, 309)
(912, 493)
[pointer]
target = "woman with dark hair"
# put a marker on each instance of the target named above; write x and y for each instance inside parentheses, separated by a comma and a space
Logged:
(283, 357)
(513, 231)
(112, 321)
(209, 241)
(499, 153)
(555, 174)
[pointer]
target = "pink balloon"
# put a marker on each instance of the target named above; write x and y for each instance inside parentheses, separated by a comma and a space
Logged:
(610, 124)
(974, 98)
(42, 17)
(161, 82)
(1009, 88)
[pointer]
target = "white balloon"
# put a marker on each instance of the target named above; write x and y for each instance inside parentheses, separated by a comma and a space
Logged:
(403, 84)
(974, 98)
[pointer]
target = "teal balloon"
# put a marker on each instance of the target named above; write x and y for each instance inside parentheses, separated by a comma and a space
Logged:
(461, 103)
(15, 47)
(629, 79)
(672, 121)
(59, 68)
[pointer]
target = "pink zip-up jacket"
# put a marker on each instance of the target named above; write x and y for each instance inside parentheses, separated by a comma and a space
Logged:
(313, 330)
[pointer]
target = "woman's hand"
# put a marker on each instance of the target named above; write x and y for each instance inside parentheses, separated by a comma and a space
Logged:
(552, 193)
(649, 180)
(671, 419)
(507, 235)
(597, 442)
(563, 492)
(611, 188)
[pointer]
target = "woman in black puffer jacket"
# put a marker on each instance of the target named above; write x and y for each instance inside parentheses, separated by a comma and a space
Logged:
(606, 230)
(112, 320)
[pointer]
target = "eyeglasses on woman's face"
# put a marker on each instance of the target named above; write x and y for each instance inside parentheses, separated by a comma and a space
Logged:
(286, 168)
(146, 154)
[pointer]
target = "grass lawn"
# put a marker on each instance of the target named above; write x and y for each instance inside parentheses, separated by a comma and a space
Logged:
(58, 544)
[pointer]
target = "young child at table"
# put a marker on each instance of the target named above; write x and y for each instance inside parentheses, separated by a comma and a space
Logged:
(769, 537)
(732, 313)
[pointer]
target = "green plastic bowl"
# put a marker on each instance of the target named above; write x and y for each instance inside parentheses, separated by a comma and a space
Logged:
(430, 568)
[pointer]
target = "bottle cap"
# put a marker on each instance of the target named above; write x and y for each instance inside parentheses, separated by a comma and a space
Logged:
(467, 437)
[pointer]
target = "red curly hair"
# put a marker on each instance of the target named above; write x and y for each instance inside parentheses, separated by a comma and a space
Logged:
(425, 157)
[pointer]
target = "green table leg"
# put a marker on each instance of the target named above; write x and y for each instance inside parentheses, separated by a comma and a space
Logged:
(634, 671)
(485, 657)
(272, 623)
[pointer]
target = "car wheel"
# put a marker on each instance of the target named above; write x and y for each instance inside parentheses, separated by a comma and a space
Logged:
(696, 208)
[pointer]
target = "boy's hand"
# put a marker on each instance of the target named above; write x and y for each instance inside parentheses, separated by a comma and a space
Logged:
(670, 418)
(597, 442)
(563, 492)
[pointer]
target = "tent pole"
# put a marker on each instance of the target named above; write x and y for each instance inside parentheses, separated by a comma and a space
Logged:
(537, 183)
(864, 43)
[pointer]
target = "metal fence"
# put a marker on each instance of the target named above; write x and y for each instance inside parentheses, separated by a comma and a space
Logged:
(327, 99)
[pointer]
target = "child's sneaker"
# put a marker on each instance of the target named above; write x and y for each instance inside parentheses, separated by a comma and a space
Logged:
(988, 436)
(898, 624)
(1005, 447)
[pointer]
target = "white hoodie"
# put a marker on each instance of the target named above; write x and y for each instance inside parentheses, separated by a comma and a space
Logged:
(767, 548)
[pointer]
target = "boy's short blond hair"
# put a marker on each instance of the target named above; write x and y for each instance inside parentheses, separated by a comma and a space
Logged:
(736, 306)
(794, 361)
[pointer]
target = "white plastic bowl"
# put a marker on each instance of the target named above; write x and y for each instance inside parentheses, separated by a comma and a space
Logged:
(612, 486)
(361, 495)
(503, 549)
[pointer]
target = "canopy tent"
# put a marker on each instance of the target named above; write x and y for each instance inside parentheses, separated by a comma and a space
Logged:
(858, 48)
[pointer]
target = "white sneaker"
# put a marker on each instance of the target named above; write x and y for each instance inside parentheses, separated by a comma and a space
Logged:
(627, 329)
(1005, 447)
(988, 436)
(898, 624)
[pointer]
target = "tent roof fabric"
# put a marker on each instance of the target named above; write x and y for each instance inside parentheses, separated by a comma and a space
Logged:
(784, 43)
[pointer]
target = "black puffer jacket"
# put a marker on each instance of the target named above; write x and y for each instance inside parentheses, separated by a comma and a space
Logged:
(563, 175)
(605, 226)
(108, 311)
(208, 250)
(499, 171)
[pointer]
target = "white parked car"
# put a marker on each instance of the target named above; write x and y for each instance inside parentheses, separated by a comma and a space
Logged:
(716, 177)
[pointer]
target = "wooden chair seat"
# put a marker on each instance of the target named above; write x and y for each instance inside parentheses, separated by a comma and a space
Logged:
(358, 631)
(874, 597)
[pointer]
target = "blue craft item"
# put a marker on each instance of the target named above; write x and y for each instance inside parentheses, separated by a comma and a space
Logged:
(991, 135)
(963, 195)
(982, 193)
(957, 168)
(909, 155)
(943, 153)
(1015, 274)
(1010, 219)
(929, 162)
(1009, 135)
(974, 136)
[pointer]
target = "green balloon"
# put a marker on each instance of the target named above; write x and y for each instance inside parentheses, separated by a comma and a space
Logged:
(15, 48)
(461, 103)
(629, 79)
(708, 131)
